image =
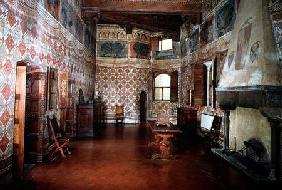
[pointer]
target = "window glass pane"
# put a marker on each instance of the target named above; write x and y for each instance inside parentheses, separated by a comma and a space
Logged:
(158, 94)
(162, 80)
(166, 95)
(166, 44)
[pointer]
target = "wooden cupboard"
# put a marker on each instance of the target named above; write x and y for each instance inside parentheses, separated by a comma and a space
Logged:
(90, 118)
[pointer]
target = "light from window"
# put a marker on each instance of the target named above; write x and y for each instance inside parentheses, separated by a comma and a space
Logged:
(162, 87)
(165, 44)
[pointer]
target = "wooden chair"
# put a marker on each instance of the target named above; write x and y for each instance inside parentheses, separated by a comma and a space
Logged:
(59, 142)
(119, 114)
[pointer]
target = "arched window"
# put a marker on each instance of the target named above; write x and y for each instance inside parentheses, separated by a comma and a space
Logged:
(162, 87)
(165, 87)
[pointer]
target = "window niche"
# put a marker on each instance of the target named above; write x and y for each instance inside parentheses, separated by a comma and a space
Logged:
(165, 86)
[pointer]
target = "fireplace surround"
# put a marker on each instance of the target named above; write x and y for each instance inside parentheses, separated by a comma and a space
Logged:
(268, 101)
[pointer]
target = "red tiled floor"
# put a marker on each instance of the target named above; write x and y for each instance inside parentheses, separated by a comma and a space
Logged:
(119, 159)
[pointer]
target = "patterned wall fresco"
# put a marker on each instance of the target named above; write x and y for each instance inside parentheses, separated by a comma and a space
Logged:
(29, 33)
(122, 85)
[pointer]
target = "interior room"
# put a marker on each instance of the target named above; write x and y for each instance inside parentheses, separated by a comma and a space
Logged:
(140, 94)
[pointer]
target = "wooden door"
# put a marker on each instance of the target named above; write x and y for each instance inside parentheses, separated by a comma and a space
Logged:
(19, 122)
(143, 106)
(35, 116)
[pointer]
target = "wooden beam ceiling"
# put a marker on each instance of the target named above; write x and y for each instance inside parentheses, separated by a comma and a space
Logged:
(145, 6)
(153, 15)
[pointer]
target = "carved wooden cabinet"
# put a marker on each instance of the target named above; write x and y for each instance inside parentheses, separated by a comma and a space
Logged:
(187, 120)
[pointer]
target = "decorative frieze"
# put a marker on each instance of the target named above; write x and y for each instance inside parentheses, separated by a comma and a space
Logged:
(110, 32)
(141, 36)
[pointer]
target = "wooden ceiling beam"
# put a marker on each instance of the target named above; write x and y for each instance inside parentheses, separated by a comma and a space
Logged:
(143, 7)
(124, 21)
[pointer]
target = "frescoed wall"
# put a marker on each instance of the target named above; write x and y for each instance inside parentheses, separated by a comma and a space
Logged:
(121, 84)
(194, 40)
(30, 34)
(112, 49)
(207, 32)
(255, 60)
(140, 50)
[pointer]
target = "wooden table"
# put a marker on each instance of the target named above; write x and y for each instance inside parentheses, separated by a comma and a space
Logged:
(162, 135)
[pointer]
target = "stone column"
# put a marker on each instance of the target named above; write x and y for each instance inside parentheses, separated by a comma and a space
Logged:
(208, 65)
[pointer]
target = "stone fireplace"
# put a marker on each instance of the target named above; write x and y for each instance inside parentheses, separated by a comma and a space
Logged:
(250, 91)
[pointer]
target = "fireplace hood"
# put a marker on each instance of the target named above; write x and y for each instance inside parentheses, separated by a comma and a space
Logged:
(251, 76)
(252, 58)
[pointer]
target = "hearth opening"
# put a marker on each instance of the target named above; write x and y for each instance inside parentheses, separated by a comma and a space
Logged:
(254, 156)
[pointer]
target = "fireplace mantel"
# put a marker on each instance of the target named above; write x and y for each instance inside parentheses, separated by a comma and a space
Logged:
(259, 96)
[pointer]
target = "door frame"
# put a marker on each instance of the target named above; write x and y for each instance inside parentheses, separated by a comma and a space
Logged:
(19, 120)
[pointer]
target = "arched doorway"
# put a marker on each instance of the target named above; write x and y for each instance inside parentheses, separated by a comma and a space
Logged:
(143, 107)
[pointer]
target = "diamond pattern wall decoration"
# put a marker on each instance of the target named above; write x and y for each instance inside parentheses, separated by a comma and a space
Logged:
(4, 143)
(25, 36)
(5, 117)
(6, 92)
